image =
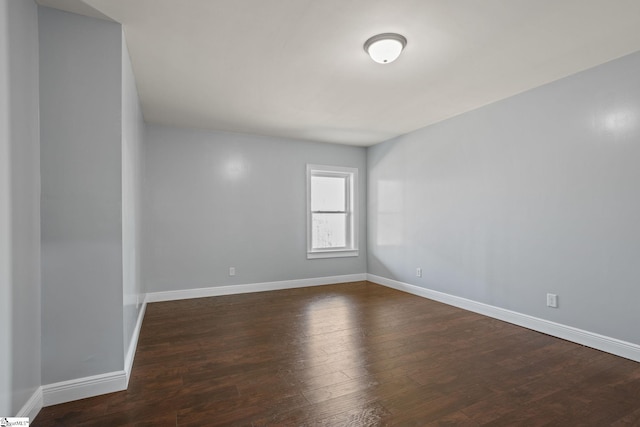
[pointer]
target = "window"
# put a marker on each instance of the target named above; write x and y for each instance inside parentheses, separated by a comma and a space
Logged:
(331, 213)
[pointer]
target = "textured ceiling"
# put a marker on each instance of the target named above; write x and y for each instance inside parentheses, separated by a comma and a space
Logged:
(296, 68)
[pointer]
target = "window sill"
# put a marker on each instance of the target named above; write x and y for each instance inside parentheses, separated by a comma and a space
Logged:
(339, 253)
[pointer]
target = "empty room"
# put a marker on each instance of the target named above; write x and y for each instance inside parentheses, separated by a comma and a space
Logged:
(319, 213)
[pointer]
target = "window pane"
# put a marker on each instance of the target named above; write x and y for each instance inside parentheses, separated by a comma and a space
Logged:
(329, 231)
(328, 193)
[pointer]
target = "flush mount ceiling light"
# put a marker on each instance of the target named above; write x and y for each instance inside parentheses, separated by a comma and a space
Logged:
(385, 48)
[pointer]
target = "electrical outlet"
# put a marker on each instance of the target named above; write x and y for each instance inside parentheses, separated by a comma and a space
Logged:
(232, 271)
(418, 272)
(552, 300)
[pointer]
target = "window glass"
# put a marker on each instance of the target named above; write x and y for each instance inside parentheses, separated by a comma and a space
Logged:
(328, 193)
(329, 230)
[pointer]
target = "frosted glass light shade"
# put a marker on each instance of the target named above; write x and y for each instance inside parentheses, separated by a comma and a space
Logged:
(385, 48)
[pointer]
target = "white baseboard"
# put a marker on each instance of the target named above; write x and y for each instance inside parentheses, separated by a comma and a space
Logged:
(81, 388)
(590, 339)
(215, 291)
(33, 405)
(133, 344)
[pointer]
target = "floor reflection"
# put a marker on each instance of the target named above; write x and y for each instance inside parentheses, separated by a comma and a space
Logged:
(336, 361)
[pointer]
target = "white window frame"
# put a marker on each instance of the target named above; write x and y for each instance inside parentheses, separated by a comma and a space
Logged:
(351, 194)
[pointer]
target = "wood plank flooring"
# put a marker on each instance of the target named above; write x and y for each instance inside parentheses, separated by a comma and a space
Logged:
(355, 354)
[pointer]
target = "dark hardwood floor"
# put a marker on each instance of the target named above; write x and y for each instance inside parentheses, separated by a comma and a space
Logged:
(355, 354)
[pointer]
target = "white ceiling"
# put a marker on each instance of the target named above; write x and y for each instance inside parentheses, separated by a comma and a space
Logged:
(297, 68)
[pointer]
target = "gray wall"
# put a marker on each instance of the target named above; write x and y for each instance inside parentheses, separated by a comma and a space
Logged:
(25, 187)
(537, 193)
(132, 137)
(19, 205)
(216, 200)
(6, 282)
(81, 157)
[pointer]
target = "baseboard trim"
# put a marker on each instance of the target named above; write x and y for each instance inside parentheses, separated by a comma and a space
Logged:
(133, 344)
(33, 405)
(82, 388)
(590, 339)
(215, 291)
